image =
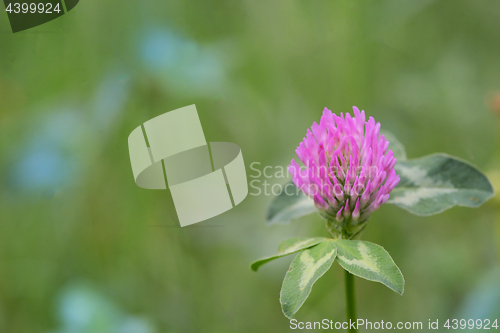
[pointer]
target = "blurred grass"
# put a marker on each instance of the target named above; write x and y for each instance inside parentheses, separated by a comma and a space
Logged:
(260, 73)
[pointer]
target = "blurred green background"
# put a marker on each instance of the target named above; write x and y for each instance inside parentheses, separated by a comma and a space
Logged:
(83, 249)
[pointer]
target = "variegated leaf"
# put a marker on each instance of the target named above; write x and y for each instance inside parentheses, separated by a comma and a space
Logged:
(369, 261)
(307, 267)
(287, 247)
(434, 183)
(290, 204)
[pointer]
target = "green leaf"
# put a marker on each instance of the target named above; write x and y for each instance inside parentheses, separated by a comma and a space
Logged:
(369, 261)
(290, 204)
(434, 183)
(287, 247)
(397, 147)
(307, 267)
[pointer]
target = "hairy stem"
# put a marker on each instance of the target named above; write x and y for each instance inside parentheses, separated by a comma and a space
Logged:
(350, 299)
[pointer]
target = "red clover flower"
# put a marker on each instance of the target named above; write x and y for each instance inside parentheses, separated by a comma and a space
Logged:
(348, 169)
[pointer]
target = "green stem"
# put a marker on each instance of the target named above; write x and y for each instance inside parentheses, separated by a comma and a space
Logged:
(350, 299)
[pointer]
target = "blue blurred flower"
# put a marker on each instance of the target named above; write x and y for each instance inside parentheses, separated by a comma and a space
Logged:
(484, 300)
(63, 141)
(185, 67)
(82, 308)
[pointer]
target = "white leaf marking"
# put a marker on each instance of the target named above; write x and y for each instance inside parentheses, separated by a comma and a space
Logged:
(367, 261)
(296, 246)
(419, 177)
(414, 174)
(311, 267)
(413, 196)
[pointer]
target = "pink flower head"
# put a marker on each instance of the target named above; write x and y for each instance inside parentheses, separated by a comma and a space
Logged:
(349, 170)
